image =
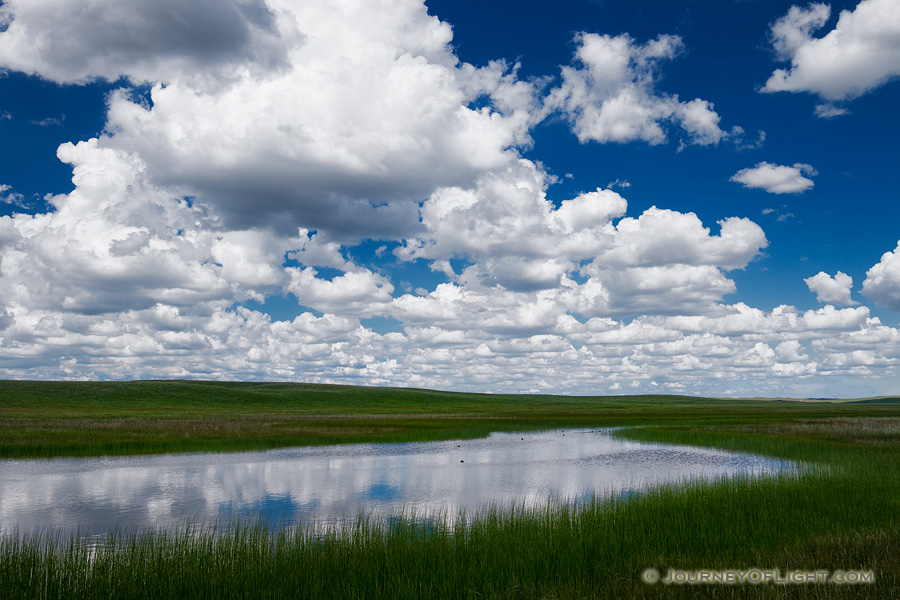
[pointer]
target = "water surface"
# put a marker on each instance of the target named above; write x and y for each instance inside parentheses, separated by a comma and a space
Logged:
(315, 484)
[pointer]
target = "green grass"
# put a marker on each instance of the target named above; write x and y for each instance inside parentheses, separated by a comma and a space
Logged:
(45, 419)
(842, 514)
(597, 551)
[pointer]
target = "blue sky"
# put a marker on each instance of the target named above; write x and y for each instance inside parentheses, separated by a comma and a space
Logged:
(584, 197)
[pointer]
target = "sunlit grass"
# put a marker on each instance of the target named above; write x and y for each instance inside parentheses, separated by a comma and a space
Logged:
(596, 550)
(45, 419)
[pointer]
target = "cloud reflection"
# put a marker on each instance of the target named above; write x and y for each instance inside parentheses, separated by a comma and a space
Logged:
(318, 485)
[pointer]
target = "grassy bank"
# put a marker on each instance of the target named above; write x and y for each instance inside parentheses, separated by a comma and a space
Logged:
(844, 515)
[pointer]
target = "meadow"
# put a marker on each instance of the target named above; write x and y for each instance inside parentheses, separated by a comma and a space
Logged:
(842, 514)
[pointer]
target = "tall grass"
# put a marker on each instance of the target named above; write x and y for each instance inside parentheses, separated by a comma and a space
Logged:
(595, 550)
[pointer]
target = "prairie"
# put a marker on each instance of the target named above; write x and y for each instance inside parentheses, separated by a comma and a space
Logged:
(842, 514)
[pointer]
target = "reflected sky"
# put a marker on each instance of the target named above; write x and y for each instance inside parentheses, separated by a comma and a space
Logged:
(316, 485)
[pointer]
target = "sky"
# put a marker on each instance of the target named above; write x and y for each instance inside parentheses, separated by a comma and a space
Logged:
(583, 197)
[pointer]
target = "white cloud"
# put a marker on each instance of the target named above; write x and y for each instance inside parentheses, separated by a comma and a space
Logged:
(705, 355)
(358, 293)
(164, 40)
(86, 294)
(670, 289)
(619, 183)
(265, 155)
(740, 142)
(664, 237)
(232, 119)
(777, 179)
(611, 96)
(660, 261)
(835, 290)
(790, 351)
(8, 196)
(389, 121)
(861, 53)
(700, 121)
(753, 323)
(50, 121)
(829, 111)
(792, 31)
(882, 283)
(117, 243)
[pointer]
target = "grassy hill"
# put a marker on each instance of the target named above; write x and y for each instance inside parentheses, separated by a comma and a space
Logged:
(45, 418)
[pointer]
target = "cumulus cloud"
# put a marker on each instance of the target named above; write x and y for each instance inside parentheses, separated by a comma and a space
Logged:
(358, 292)
(834, 290)
(277, 136)
(163, 41)
(388, 123)
(505, 208)
(117, 243)
(576, 259)
(882, 283)
(743, 349)
(861, 53)
(610, 95)
(777, 179)
(755, 324)
(660, 237)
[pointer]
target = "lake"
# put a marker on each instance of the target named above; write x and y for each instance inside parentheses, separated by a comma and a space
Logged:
(320, 484)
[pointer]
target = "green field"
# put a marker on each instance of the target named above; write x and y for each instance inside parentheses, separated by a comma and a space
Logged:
(44, 419)
(842, 515)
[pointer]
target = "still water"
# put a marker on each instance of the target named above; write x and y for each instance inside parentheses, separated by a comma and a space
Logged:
(315, 485)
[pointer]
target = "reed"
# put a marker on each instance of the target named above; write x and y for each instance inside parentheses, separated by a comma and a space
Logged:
(819, 519)
(597, 550)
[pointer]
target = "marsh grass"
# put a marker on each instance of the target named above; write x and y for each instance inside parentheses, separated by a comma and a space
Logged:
(594, 550)
(843, 513)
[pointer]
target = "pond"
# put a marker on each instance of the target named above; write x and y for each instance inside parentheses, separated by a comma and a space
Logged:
(318, 484)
